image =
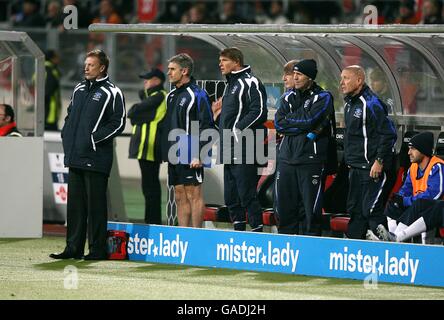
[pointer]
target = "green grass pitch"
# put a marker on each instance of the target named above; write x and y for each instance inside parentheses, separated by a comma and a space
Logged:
(26, 272)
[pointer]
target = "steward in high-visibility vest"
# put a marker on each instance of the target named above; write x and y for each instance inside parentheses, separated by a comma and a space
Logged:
(53, 102)
(146, 118)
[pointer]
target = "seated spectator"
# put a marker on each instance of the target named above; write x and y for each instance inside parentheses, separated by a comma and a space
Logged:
(107, 13)
(277, 15)
(260, 15)
(54, 15)
(424, 180)
(407, 14)
(229, 14)
(431, 12)
(29, 17)
(8, 127)
(196, 14)
(379, 85)
(425, 216)
(172, 12)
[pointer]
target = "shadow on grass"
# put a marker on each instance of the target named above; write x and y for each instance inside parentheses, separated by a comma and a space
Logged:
(61, 264)
(215, 272)
(9, 241)
(162, 267)
(270, 277)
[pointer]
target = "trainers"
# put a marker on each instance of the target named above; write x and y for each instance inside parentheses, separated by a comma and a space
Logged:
(384, 234)
(371, 236)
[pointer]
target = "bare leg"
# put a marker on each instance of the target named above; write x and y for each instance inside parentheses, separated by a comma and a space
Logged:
(183, 206)
(194, 195)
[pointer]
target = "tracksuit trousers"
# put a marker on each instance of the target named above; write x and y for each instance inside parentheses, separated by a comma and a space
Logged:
(298, 198)
(365, 202)
(87, 211)
(151, 191)
(240, 183)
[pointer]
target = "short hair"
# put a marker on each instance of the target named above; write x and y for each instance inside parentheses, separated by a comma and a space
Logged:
(357, 70)
(99, 54)
(288, 67)
(184, 61)
(234, 54)
(9, 111)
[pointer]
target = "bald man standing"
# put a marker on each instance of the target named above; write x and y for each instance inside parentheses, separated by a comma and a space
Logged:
(369, 141)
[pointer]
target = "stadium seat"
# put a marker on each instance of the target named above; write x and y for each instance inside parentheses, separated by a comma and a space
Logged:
(335, 194)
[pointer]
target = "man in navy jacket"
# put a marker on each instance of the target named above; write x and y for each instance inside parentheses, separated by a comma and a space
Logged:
(189, 114)
(96, 114)
(243, 112)
(305, 117)
(369, 142)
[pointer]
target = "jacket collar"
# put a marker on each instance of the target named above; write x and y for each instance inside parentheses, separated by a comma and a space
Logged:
(350, 98)
(310, 91)
(186, 85)
(154, 89)
(97, 81)
(238, 73)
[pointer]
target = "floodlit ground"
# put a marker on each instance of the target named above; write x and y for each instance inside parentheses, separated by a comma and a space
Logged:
(26, 272)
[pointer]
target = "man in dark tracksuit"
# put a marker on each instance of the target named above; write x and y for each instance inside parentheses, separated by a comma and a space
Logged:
(96, 114)
(188, 114)
(369, 142)
(243, 112)
(305, 117)
(146, 118)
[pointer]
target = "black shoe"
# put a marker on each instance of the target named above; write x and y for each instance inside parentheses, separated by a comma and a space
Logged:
(65, 255)
(93, 256)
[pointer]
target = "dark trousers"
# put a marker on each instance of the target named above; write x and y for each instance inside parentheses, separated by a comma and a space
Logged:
(240, 183)
(298, 198)
(87, 211)
(394, 212)
(431, 211)
(365, 202)
(151, 191)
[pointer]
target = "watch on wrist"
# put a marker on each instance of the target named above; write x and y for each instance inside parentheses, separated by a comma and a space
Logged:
(380, 161)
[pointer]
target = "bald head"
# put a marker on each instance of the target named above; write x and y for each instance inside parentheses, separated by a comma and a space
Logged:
(352, 80)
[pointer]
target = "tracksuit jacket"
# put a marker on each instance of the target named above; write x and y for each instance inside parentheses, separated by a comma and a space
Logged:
(96, 114)
(146, 118)
(299, 113)
(369, 133)
(187, 104)
(244, 106)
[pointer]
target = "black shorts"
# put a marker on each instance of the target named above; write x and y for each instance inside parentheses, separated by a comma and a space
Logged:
(183, 174)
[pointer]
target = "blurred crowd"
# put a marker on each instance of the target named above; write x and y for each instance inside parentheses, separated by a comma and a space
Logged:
(49, 13)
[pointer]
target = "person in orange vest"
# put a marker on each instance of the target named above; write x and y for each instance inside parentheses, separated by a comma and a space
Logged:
(424, 180)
